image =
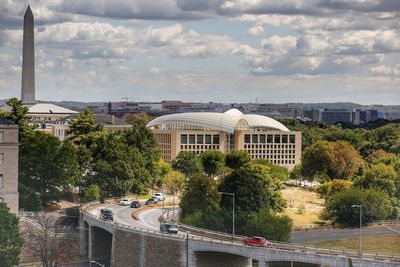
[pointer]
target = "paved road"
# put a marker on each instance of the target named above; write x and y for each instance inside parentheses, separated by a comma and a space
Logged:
(303, 237)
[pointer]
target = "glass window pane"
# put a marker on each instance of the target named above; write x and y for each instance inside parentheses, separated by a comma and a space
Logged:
(277, 138)
(284, 139)
(262, 138)
(1, 181)
(216, 139)
(200, 138)
(208, 139)
(292, 138)
(1, 136)
(192, 139)
(1, 158)
(183, 139)
(247, 138)
(269, 138)
(254, 138)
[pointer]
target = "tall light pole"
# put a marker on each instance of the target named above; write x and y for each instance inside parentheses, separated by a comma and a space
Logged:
(359, 240)
(233, 210)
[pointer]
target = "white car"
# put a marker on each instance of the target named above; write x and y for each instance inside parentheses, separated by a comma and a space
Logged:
(125, 202)
(159, 196)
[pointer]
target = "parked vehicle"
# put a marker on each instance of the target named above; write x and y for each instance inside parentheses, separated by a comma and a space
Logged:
(106, 214)
(125, 202)
(169, 228)
(159, 196)
(152, 201)
(135, 204)
(256, 241)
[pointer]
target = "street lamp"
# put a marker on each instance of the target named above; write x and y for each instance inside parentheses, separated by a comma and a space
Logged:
(359, 240)
(233, 210)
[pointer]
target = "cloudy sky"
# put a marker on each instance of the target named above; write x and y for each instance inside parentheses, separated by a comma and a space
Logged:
(207, 50)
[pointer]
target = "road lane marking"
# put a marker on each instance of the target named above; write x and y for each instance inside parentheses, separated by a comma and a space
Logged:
(394, 230)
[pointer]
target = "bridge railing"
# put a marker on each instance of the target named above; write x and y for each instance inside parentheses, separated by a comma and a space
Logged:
(222, 236)
(210, 236)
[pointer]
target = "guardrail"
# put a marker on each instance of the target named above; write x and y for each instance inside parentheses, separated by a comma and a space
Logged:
(227, 239)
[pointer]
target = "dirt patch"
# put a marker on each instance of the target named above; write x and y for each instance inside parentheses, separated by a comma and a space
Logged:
(298, 197)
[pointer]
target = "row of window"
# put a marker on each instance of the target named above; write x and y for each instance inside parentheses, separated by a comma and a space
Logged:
(275, 161)
(1, 137)
(270, 153)
(199, 147)
(268, 146)
(200, 139)
(1, 181)
(269, 138)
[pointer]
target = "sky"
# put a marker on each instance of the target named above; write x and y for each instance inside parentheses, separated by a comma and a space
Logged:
(206, 50)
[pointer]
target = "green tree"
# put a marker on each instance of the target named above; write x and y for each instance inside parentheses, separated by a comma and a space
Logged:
(296, 173)
(92, 193)
(254, 188)
(10, 238)
(330, 188)
(236, 159)
(375, 206)
(162, 168)
(83, 125)
(381, 176)
(269, 225)
(174, 181)
(117, 167)
(18, 115)
(29, 200)
(317, 159)
(47, 166)
(279, 172)
(201, 194)
(187, 163)
(213, 162)
(140, 118)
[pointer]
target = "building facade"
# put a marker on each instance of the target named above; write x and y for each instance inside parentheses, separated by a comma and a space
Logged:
(9, 164)
(262, 137)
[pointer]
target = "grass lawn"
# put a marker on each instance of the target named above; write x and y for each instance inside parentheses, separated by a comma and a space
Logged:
(373, 244)
(309, 217)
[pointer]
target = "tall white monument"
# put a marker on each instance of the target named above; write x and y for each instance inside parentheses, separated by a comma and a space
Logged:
(28, 60)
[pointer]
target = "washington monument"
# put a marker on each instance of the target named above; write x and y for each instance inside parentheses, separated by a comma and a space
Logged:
(28, 60)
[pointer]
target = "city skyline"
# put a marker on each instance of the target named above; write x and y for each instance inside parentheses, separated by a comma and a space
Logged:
(223, 51)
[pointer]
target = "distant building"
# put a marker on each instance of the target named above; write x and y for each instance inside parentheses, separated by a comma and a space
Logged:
(262, 137)
(337, 115)
(9, 164)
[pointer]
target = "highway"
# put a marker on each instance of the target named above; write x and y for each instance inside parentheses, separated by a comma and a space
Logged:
(148, 219)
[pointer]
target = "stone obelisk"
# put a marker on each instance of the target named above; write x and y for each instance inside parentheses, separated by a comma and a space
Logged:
(28, 60)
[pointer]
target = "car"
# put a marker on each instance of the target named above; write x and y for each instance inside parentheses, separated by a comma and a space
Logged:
(125, 202)
(135, 204)
(256, 241)
(152, 201)
(169, 228)
(106, 214)
(159, 196)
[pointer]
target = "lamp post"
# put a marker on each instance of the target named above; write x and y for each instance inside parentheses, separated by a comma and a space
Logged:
(359, 240)
(233, 210)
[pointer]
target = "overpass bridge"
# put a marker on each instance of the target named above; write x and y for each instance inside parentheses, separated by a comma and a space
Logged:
(124, 245)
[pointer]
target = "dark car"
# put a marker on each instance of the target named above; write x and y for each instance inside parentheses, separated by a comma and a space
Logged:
(152, 201)
(135, 204)
(106, 214)
(169, 228)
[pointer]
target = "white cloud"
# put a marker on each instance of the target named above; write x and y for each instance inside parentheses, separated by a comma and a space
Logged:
(256, 30)
(381, 69)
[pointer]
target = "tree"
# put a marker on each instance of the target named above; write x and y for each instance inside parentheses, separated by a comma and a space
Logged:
(330, 188)
(29, 200)
(272, 226)
(375, 206)
(187, 163)
(213, 162)
(254, 188)
(47, 166)
(84, 124)
(18, 115)
(174, 181)
(380, 176)
(317, 159)
(117, 167)
(345, 160)
(92, 193)
(296, 173)
(377, 154)
(140, 118)
(162, 169)
(279, 172)
(236, 159)
(201, 194)
(10, 238)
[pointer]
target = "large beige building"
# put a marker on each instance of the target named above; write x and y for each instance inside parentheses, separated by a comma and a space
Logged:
(262, 137)
(9, 164)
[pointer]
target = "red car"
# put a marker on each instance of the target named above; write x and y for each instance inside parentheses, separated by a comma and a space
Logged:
(256, 241)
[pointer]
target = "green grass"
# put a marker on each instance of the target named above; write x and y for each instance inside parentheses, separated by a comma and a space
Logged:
(305, 219)
(373, 244)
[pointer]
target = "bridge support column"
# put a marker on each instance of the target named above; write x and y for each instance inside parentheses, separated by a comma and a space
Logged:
(249, 262)
(262, 263)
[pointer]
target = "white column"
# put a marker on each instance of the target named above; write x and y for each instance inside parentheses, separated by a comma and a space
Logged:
(262, 263)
